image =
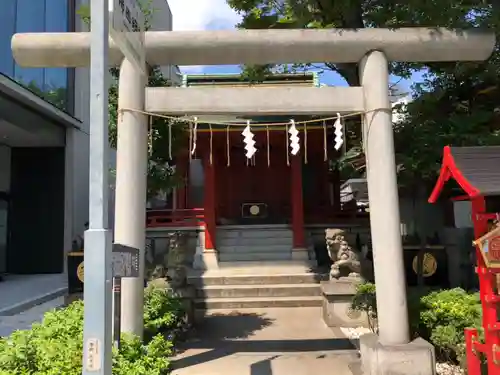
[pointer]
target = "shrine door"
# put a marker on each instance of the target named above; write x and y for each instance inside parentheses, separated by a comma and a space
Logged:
(256, 182)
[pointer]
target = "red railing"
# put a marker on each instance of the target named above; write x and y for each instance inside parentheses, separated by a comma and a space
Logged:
(164, 218)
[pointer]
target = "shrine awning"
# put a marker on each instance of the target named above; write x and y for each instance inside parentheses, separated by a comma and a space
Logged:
(475, 169)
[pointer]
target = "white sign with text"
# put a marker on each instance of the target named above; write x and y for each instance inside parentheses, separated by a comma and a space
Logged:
(127, 27)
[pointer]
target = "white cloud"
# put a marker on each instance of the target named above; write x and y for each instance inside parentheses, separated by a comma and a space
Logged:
(200, 14)
(189, 15)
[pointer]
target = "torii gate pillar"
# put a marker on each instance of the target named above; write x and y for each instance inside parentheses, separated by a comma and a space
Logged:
(131, 189)
(378, 141)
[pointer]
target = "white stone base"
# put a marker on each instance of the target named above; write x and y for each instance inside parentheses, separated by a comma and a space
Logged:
(300, 254)
(205, 259)
(414, 358)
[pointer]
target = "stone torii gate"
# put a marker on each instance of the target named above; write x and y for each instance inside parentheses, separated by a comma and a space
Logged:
(372, 48)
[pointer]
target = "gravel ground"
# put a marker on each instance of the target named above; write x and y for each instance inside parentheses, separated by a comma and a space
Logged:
(441, 368)
(24, 320)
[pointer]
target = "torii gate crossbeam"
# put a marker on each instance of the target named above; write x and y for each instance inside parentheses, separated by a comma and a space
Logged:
(263, 46)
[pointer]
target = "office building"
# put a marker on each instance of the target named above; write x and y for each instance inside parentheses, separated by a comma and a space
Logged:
(44, 141)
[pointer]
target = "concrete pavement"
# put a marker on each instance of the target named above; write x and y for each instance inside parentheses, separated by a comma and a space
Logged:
(280, 341)
(21, 292)
(25, 319)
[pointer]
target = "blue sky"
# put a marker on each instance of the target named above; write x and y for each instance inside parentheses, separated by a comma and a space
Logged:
(216, 15)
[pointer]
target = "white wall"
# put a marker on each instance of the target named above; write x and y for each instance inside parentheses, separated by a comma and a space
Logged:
(463, 214)
(162, 21)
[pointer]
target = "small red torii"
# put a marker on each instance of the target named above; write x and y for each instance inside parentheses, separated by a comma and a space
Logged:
(477, 171)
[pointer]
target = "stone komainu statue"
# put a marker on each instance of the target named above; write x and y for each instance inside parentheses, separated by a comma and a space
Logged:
(346, 260)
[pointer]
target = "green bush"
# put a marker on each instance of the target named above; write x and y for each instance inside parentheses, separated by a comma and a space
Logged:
(163, 314)
(55, 346)
(437, 316)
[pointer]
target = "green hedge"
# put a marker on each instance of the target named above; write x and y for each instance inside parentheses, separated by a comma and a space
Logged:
(55, 346)
(437, 316)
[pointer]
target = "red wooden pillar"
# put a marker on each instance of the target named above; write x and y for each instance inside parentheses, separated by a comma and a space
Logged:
(183, 169)
(487, 284)
(297, 203)
(209, 203)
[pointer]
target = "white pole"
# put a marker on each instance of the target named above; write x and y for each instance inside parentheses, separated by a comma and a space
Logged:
(384, 202)
(97, 292)
(130, 197)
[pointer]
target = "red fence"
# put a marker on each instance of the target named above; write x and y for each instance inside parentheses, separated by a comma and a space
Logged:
(164, 218)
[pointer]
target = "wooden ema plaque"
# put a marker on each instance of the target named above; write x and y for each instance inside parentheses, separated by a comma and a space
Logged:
(489, 246)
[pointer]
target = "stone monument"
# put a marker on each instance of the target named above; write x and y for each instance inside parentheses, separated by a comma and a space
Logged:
(166, 267)
(345, 258)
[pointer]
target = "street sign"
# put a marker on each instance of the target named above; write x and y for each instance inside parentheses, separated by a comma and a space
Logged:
(125, 261)
(93, 360)
(126, 28)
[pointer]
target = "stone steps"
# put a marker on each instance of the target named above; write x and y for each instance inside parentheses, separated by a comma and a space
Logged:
(257, 285)
(254, 248)
(256, 302)
(269, 279)
(257, 291)
(254, 243)
(269, 240)
(255, 255)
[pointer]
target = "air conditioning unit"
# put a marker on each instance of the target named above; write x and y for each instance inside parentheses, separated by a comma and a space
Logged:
(254, 210)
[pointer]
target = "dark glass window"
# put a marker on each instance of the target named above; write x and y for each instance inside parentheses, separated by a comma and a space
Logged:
(7, 27)
(30, 17)
(35, 16)
(56, 20)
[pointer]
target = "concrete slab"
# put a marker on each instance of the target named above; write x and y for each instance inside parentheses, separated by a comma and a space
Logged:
(25, 319)
(278, 341)
(21, 292)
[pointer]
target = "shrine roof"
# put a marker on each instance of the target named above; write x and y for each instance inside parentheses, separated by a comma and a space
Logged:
(237, 79)
(475, 169)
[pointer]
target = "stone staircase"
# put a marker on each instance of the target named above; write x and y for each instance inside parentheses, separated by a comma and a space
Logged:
(254, 243)
(249, 285)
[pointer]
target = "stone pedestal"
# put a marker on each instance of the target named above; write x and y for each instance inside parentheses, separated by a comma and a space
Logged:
(205, 259)
(414, 358)
(337, 299)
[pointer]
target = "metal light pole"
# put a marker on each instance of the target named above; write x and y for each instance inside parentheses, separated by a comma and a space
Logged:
(97, 293)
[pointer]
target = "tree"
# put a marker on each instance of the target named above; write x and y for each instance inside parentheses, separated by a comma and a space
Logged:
(458, 109)
(161, 170)
(450, 107)
(354, 14)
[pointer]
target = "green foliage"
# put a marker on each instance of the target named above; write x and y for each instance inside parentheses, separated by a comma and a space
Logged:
(365, 300)
(161, 171)
(55, 345)
(443, 317)
(162, 313)
(438, 316)
(58, 96)
(448, 107)
(314, 14)
(54, 95)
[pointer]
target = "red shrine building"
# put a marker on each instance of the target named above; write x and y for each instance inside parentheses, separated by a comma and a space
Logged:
(267, 202)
